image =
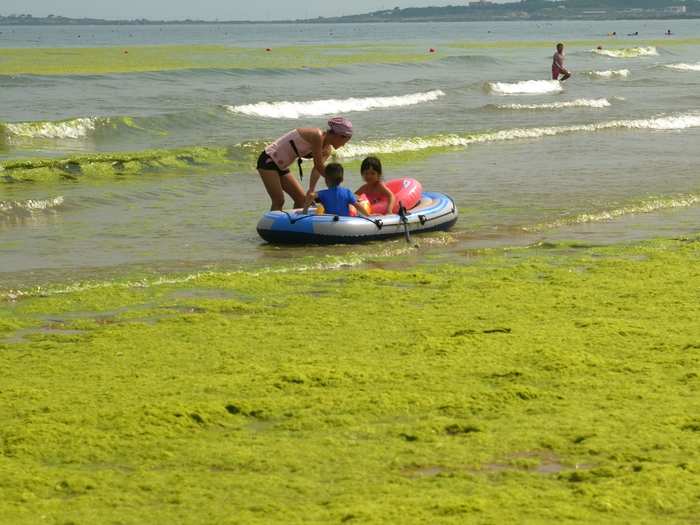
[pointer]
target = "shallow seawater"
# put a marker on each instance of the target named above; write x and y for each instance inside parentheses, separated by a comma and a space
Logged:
(143, 162)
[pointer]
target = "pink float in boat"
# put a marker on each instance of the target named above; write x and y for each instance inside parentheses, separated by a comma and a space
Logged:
(408, 192)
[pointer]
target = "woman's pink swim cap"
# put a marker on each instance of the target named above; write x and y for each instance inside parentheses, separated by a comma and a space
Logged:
(340, 126)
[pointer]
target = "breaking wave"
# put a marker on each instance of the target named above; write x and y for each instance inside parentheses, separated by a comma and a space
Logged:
(628, 52)
(317, 108)
(525, 87)
(578, 103)
(400, 145)
(610, 73)
(66, 129)
(684, 67)
(76, 128)
(242, 156)
(646, 206)
(30, 205)
(18, 212)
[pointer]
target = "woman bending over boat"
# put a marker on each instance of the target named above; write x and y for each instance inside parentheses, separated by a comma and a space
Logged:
(300, 143)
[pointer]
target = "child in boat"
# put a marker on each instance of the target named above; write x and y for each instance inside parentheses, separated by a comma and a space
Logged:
(371, 170)
(336, 199)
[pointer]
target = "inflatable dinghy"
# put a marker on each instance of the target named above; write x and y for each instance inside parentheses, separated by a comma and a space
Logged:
(433, 212)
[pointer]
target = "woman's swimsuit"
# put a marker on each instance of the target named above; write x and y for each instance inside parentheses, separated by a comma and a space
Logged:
(279, 155)
(265, 162)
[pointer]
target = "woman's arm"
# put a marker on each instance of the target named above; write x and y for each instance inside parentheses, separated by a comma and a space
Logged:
(314, 137)
(310, 198)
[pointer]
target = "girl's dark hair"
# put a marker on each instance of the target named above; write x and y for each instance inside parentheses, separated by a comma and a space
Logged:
(371, 163)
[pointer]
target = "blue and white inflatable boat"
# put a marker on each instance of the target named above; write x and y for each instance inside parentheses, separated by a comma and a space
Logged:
(434, 212)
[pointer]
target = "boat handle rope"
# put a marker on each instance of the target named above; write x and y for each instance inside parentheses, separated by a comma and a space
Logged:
(377, 222)
(294, 221)
(423, 219)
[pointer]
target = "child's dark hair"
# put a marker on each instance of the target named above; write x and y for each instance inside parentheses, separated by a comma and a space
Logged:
(334, 173)
(371, 163)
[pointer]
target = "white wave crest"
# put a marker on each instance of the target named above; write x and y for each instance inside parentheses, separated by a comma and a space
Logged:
(578, 103)
(628, 52)
(30, 205)
(318, 108)
(610, 73)
(526, 87)
(648, 206)
(400, 145)
(684, 67)
(64, 129)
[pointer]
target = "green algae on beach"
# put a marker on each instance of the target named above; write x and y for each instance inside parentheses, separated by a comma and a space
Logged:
(545, 385)
(101, 60)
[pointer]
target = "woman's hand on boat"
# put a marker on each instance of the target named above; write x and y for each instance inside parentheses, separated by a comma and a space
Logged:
(310, 197)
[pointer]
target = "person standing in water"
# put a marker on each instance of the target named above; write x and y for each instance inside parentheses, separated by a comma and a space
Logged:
(310, 143)
(558, 64)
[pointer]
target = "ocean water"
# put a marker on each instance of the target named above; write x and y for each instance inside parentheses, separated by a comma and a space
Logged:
(609, 156)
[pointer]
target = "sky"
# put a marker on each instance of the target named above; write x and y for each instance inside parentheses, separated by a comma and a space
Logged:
(207, 9)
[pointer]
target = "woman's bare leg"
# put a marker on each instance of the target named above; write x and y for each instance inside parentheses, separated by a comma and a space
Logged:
(294, 189)
(273, 185)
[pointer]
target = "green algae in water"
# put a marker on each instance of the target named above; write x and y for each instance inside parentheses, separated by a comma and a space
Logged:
(544, 386)
(70, 61)
(124, 164)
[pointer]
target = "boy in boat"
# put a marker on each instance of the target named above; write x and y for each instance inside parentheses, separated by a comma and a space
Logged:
(336, 200)
(558, 64)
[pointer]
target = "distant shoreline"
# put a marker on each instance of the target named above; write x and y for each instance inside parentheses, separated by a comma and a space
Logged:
(358, 19)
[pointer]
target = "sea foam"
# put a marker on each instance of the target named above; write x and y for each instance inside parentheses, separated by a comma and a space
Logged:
(610, 73)
(684, 67)
(525, 87)
(317, 108)
(596, 103)
(30, 205)
(650, 205)
(628, 52)
(401, 145)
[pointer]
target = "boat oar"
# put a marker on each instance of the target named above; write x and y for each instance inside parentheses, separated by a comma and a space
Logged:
(404, 221)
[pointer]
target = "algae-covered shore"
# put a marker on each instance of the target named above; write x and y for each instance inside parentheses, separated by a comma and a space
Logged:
(553, 384)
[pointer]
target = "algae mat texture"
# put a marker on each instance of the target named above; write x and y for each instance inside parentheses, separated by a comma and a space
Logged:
(547, 385)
